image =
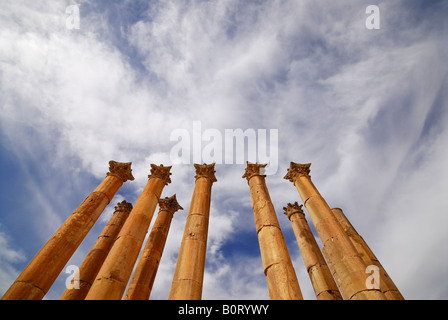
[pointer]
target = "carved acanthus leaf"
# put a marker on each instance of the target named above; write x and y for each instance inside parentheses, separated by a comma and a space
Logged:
(293, 208)
(254, 169)
(205, 171)
(160, 172)
(296, 170)
(121, 170)
(170, 204)
(124, 206)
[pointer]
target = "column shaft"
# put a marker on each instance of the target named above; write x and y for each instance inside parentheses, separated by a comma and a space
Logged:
(145, 272)
(36, 279)
(280, 275)
(347, 267)
(323, 283)
(189, 273)
(387, 286)
(116, 270)
(96, 256)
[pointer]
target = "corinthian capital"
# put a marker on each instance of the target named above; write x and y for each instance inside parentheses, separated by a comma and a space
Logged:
(296, 170)
(124, 206)
(205, 171)
(160, 172)
(170, 204)
(254, 169)
(121, 170)
(293, 208)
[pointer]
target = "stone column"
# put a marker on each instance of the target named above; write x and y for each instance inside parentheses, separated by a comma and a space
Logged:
(387, 286)
(37, 278)
(189, 272)
(145, 272)
(96, 256)
(323, 283)
(344, 261)
(116, 270)
(280, 275)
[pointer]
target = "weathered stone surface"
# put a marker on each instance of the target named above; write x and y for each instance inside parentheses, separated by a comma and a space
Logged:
(161, 172)
(189, 273)
(205, 171)
(280, 275)
(96, 256)
(344, 261)
(145, 272)
(37, 278)
(323, 283)
(116, 270)
(282, 282)
(254, 169)
(170, 204)
(121, 170)
(387, 286)
(296, 170)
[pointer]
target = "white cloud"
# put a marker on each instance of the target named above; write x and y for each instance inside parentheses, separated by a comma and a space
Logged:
(9, 259)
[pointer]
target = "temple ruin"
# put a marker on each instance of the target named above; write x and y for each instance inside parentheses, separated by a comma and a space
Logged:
(110, 271)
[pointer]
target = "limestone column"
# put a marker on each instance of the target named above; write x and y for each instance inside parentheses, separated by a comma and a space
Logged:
(344, 261)
(116, 270)
(189, 273)
(280, 275)
(387, 286)
(36, 279)
(323, 283)
(96, 256)
(145, 272)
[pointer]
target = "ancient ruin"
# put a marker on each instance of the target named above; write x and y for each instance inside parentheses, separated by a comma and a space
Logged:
(337, 270)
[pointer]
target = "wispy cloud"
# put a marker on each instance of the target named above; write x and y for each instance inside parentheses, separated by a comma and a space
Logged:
(9, 259)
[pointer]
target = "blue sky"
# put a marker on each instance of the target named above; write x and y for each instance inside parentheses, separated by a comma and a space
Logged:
(367, 107)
